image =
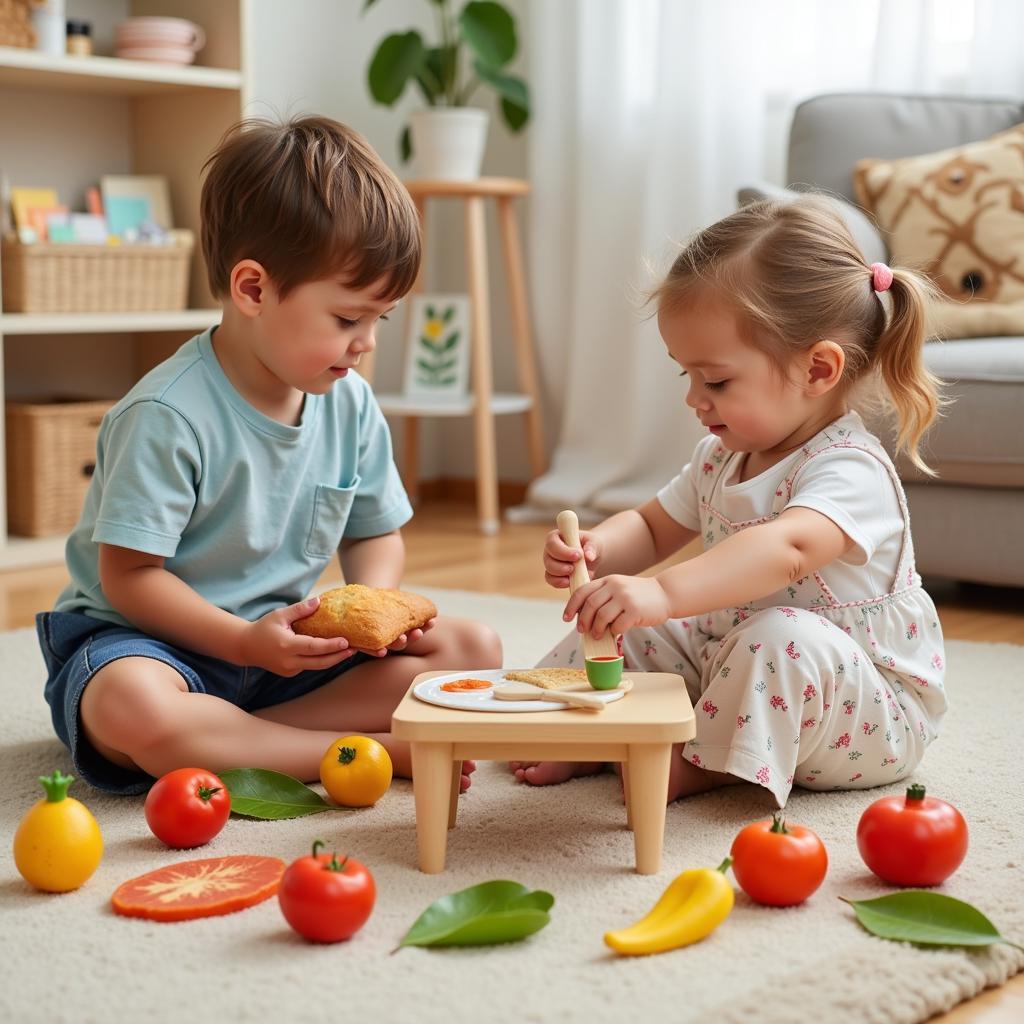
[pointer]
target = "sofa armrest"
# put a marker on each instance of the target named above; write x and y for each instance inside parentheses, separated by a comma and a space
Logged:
(862, 227)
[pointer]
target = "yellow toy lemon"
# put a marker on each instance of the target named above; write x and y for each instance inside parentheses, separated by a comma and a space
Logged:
(58, 844)
(356, 771)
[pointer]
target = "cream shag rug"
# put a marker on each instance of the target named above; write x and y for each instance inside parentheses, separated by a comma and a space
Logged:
(69, 958)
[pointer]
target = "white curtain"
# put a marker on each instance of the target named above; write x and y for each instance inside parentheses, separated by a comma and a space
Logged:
(648, 114)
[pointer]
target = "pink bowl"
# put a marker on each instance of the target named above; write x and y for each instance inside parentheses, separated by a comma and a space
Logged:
(159, 54)
(144, 32)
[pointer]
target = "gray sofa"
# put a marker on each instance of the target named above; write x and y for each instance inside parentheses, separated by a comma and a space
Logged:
(969, 522)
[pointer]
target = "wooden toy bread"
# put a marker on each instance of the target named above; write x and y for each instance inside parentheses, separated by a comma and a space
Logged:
(367, 617)
(550, 678)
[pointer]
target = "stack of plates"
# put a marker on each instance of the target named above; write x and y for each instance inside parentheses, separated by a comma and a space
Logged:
(167, 40)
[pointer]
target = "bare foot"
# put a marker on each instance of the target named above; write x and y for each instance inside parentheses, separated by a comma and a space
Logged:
(550, 773)
(468, 767)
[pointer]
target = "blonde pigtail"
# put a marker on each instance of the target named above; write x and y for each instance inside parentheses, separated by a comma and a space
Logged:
(914, 391)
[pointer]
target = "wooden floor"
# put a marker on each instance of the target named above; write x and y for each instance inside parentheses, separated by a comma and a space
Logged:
(445, 550)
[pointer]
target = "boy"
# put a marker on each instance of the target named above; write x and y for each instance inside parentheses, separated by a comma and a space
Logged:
(230, 474)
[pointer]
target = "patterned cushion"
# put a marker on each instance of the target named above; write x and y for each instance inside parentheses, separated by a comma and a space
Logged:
(958, 215)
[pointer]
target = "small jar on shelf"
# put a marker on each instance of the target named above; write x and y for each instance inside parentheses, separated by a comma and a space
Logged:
(79, 38)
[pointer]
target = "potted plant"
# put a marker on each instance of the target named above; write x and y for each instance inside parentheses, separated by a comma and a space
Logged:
(447, 139)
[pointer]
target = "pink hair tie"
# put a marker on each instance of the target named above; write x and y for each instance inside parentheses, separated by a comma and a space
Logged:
(881, 277)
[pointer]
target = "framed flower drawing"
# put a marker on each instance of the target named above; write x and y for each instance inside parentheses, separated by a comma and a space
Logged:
(437, 346)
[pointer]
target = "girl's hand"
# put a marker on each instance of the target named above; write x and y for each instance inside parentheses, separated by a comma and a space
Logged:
(271, 643)
(559, 558)
(618, 603)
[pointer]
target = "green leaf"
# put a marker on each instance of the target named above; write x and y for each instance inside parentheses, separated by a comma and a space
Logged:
(437, 76)
(481, 915)
(515, 116)
(398, 58)
(405, 144)
(490, 31)
(514, 93)
(451, 341)
(448, 314)
(926, 918)
(261, 793)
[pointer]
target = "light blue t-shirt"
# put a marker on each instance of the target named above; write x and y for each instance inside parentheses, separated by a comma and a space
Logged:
(246, 510)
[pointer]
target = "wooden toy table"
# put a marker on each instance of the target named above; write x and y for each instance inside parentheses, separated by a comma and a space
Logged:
(637, 731)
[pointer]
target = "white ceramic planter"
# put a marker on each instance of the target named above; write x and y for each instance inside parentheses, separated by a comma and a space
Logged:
(448, 143)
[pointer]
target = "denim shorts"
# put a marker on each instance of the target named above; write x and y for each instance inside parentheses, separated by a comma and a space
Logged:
(75, 647)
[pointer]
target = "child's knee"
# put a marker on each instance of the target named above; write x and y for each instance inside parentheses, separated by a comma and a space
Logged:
(463, 643)
(786, 636)
(124, 705)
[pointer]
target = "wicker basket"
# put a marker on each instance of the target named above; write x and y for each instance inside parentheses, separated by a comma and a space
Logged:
(51, 456)
(16, 23)
(64, 278)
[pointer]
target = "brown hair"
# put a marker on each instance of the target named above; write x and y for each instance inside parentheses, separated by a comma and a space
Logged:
(306, 198)
(795, 276)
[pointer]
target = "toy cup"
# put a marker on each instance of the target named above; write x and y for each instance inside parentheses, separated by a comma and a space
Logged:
(604, 673)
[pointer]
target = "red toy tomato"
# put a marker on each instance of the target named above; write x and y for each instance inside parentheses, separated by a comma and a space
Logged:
(187, 807)
(777, 864)
(916, 840)
(324, 899)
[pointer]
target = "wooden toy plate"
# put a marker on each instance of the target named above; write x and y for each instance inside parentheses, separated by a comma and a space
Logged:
(430, 692)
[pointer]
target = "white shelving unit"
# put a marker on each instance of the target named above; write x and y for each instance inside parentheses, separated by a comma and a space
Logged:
(64, 122)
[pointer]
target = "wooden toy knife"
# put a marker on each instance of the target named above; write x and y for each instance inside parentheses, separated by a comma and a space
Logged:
(569, 528)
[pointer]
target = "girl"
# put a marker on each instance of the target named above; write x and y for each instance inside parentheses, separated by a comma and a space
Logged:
(811, 653)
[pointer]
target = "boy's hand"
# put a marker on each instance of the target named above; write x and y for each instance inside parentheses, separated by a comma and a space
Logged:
(618, 603)
(405, 641)
(559, 558)
(408, 639)
(271, 643)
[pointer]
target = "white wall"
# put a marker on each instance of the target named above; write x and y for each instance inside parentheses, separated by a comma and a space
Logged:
(311, 56)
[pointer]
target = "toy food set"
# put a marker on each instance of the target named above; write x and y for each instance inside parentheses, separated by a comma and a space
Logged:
(199, 888)
(604, 647)
(917, 840)
(326, 899)
(370, 618)
(58, 844)
(356, 771)
(518, 690)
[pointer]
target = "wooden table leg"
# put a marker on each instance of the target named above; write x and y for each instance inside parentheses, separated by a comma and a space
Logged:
(625, 793)
(453, 799)
(647, 796)
(431, 786)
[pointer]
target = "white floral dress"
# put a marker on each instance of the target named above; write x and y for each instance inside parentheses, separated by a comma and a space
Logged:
(805, 687)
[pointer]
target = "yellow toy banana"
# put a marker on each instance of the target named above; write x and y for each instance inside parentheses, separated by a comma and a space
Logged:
(693, 906)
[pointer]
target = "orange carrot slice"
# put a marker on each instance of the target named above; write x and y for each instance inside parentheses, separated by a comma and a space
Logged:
(458, 685)
(200, 888)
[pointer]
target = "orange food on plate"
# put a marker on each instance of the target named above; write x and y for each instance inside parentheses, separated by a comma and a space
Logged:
(461, 685)
(200, 888)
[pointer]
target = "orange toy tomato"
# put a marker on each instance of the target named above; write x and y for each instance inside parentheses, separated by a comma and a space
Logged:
(324, 899)
(913, 840)
(356, 771)
(777, 864)
(187, 807)
(199, 888)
